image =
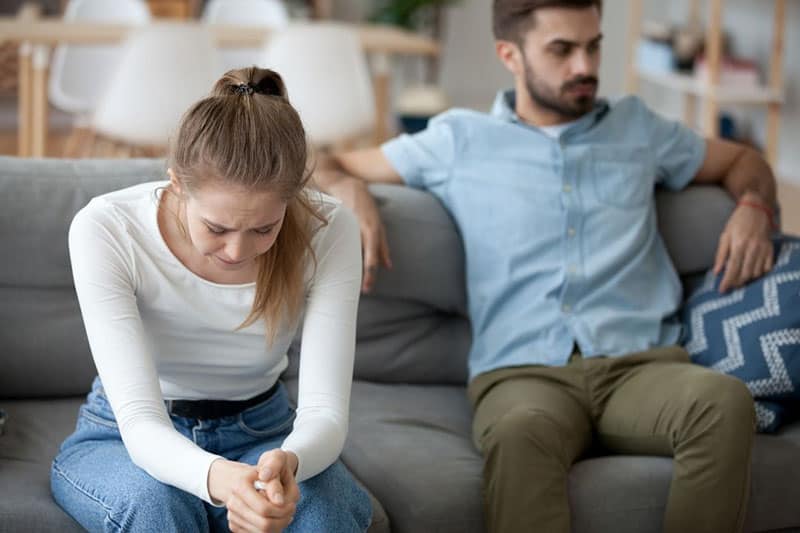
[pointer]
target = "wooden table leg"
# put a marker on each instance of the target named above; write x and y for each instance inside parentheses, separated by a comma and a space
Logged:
(24, 101)
(40, 60)
(381, 81)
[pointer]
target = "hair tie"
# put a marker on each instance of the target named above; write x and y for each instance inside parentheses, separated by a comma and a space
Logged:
(245, 88)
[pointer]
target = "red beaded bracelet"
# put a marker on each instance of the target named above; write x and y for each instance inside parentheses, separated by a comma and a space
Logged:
(761, 207)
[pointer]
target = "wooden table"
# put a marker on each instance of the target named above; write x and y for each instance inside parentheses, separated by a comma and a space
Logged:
(38, 35)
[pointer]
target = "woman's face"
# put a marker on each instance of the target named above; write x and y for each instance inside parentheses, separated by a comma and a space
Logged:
(230, 225)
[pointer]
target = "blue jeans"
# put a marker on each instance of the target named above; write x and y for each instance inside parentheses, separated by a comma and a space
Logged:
(94, 480)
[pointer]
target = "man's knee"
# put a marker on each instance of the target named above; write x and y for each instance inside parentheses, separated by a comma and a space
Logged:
(525, 432)
(724, 400)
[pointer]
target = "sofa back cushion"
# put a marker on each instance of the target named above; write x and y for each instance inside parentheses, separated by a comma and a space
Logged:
(43, 346)
(412, 327)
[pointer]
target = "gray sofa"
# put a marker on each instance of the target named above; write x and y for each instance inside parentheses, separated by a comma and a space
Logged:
(409, 440)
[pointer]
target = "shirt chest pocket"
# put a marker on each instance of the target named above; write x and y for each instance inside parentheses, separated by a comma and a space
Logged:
(623, 176)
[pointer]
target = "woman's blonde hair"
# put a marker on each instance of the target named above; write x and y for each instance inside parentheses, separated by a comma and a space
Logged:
(246, 133)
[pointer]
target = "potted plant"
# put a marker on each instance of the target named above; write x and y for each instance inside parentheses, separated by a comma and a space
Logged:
(410, 14)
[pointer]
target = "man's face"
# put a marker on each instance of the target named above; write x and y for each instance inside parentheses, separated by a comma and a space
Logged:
(561, 59)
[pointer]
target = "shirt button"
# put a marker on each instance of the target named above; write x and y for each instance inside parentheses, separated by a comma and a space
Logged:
(566, 308)
(573, 269)
(567, 188)
(571, 232)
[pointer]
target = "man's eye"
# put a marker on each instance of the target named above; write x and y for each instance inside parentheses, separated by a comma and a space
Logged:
(215, 231)
(561, 51)
(266, 231)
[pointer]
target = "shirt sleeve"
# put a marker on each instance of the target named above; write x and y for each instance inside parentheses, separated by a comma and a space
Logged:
(679, 151)
(327, 348)
(103, 269)
(424, 159)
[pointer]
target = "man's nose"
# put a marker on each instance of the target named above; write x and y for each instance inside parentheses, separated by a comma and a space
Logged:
(582, 63)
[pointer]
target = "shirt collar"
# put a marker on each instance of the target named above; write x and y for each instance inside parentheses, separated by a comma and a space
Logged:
(504, 108)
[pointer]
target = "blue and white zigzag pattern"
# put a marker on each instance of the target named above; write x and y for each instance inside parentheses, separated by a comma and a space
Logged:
(779, 380)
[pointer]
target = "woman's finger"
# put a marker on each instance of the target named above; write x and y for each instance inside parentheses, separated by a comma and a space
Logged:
(270, 464)
(246, 516)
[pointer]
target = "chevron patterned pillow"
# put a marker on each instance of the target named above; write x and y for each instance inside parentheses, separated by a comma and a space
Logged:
(753, 333)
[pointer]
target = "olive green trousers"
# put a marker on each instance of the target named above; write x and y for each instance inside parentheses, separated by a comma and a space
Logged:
(533, 422)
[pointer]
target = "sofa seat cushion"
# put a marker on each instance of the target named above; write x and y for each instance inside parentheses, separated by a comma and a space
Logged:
(33, 433)
(411, 445)
(753, 333)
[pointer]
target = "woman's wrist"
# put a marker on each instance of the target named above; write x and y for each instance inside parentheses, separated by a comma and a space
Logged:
(218, 487)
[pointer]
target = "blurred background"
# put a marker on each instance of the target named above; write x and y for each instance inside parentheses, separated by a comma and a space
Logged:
(727, 69)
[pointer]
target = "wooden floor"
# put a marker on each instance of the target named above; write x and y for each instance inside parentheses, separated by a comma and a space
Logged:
(788, 192)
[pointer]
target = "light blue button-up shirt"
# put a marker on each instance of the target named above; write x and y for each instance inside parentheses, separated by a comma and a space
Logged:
(559, 233)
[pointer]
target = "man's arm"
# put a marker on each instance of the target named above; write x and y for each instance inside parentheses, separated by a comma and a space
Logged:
(368, 165)
(346, 176)
(745, 249)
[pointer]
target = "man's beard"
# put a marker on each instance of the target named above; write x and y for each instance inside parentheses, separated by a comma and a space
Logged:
(545, 98)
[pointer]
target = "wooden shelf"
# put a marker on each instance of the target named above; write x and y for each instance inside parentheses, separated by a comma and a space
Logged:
(710, 93)
(688, 84)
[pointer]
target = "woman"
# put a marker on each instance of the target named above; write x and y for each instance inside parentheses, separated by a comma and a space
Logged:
(191, 291)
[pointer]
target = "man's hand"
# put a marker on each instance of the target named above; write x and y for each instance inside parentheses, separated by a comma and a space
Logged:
(354, 194)
(745, 250)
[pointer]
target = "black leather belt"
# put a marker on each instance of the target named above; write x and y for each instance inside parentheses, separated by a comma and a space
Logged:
(207, 409)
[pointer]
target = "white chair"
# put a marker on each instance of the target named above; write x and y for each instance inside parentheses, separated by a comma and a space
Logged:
(79, 73)
(328, 80)
(163, 70)
(270, 13)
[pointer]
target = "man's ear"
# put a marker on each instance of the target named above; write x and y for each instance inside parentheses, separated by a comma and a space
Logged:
(511, 56)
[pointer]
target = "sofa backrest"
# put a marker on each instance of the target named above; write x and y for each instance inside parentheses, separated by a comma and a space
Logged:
(43, 346)
(412, 328)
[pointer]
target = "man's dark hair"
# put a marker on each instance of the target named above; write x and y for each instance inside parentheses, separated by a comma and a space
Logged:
(512, 18)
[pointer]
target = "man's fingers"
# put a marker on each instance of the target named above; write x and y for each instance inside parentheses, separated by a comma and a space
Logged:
(733, 267)
(770, 262)
(722, 253)
(751, 262)
(385, 256)
(371, 249)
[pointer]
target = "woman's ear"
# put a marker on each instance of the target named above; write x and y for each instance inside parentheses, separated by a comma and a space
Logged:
(174, 183)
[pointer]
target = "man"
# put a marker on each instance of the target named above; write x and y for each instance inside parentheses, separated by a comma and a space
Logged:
(572, 295)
